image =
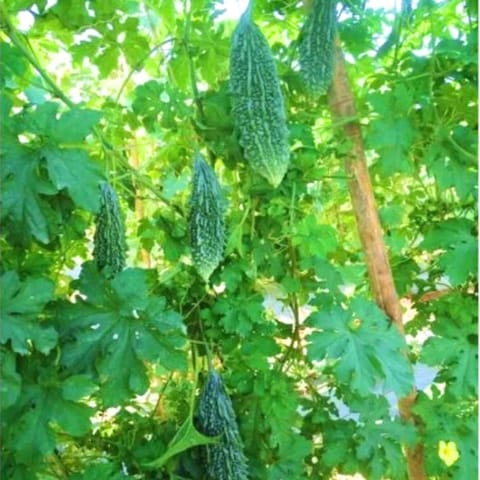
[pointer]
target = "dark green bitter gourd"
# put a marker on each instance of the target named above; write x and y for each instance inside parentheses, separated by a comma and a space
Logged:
(258, 108)
(316, 47)
(224, 460)
(110, 246)
(207, 224)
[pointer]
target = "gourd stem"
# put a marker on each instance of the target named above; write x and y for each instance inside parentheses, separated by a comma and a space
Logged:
(193, 75)
(248, 14)
(206, 345)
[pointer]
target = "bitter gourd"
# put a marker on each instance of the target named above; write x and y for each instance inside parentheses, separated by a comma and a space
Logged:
(257, 102)
(110, 247)
(316, 47)
(206, 222)
(224, 460)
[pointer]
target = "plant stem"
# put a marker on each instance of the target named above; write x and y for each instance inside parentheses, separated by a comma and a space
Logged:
(460, 149)
(106, 146)
(207, 347)
(139, 64)
(160, 395)
(20, 44)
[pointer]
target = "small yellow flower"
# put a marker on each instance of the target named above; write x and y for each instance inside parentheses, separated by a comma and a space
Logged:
(448, 453)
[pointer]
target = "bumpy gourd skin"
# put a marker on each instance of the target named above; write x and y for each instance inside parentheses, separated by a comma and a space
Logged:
(316, 47)
(224, 460)
(258, 108)
(206, 222)
(109, 241)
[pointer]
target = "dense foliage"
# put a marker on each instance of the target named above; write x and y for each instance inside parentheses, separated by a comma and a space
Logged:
(100, 375)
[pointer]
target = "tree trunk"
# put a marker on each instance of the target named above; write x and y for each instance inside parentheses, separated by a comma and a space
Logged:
(342, 105)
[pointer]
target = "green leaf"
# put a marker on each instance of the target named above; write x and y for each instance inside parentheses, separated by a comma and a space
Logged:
(187, 437)
(21, 305)
(132, 289)
(77, 387)
(179, 69)
(12, 62)
(279, 401)
(33, 437)
(72, 16)
(468, 448)
(448, 419)
(24, 191)
(135, 46)
(314, 238)
(460, 262)
(121, 323)
(453, 346)
(71, 126)
(11, 380)
(447, 234)
(167, 14)
(366, 348)
(380, 445)
(147, 104)
(42, 120)
(74, 170)
(391, 134)
(173, 184)
(107, 59)
(461, 252)
(446, 159)
(255, 352)
(392, 139)
(239, 315)
(290, 458)
(327, 274)
(74, 125)
(73, 418)
(392, 215)
(117, 350)
(102, 471)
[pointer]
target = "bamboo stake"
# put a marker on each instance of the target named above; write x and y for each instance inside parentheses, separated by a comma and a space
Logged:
(342, 105)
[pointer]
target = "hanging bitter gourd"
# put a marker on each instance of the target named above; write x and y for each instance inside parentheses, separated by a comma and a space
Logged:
(224, 460)
(109, 241)
(257, 102)
(316, 47)
(206, 222)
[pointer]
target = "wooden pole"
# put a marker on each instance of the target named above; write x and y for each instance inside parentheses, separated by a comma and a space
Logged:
(342, 105)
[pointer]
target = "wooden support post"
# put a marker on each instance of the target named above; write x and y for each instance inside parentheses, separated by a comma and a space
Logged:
(342, 105)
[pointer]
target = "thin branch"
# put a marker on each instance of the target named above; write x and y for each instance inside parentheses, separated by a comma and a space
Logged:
(197, 304)
(106, 146)
(460, 149)
(17, 41)
(160, 395)
(139, 64)
(293, 299)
